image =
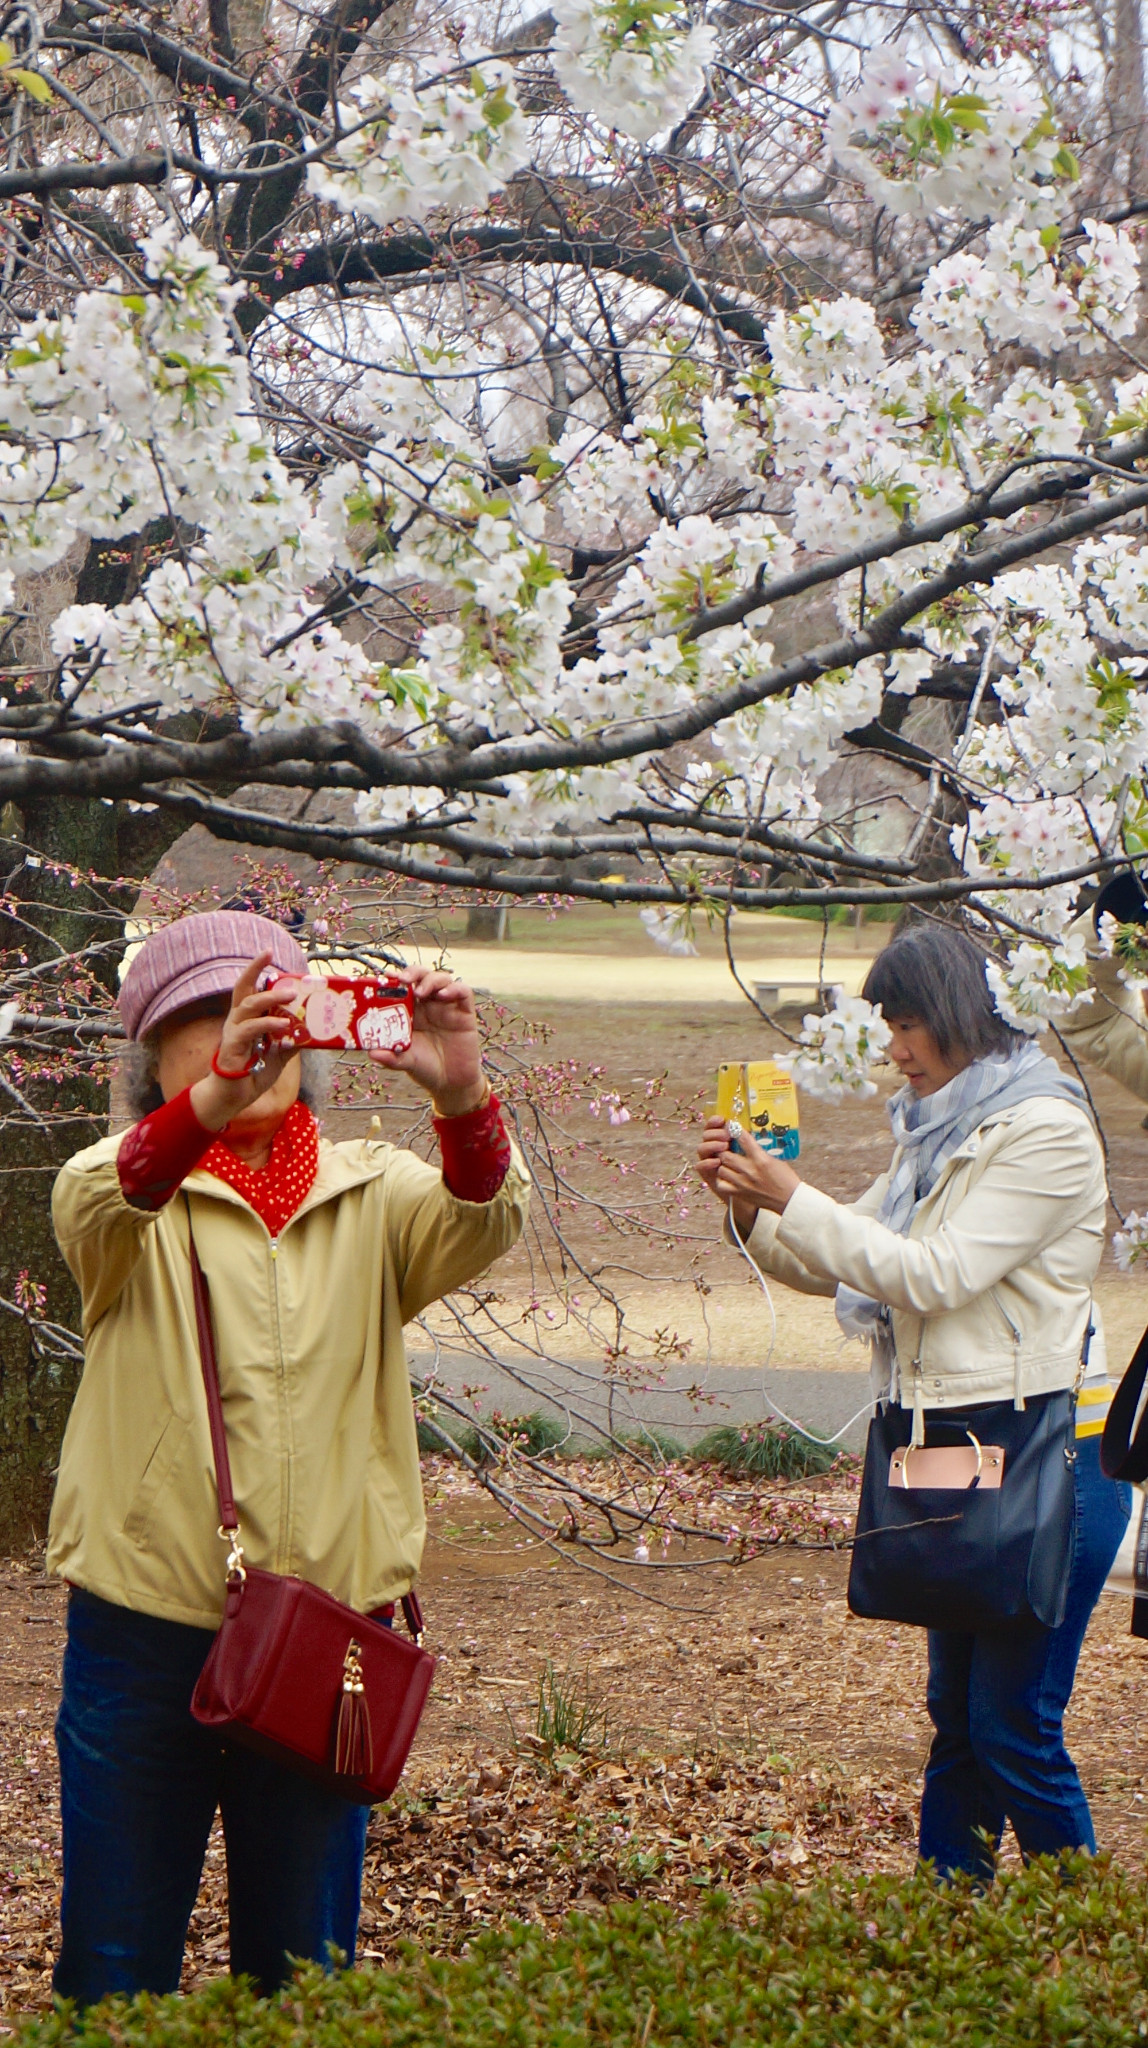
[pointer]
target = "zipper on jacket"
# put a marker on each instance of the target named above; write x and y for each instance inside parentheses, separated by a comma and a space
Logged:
(917, 1402)
(1017, 1388)
(287, 1448)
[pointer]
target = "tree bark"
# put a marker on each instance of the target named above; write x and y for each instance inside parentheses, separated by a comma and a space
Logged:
(49, 916)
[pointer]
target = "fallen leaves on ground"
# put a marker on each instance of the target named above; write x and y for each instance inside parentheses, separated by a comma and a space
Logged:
(748, 1727)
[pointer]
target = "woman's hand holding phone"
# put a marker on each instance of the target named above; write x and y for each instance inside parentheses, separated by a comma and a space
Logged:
(249, 1058)
(749, 1177)
(444, 1055)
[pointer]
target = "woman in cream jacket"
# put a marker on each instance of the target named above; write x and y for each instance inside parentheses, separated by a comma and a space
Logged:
(969, 1266)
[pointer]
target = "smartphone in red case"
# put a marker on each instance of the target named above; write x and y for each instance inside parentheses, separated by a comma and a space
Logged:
(343, 1013)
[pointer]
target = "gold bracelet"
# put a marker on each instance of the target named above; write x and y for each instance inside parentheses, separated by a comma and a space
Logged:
(448, 1116)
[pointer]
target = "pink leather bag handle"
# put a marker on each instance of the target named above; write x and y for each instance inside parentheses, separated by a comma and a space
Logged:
(228, 1513)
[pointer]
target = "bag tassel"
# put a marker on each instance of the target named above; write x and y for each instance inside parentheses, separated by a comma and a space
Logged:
(354, 1749)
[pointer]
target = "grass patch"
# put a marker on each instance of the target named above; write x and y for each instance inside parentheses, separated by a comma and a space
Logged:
(430, 1436)
(766, 1450)
(568, 1717)
(1055, 1955)
(538, 1434)
(657, 1446)
(839, 913)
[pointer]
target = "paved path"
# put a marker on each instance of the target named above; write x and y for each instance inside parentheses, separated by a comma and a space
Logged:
(822, 1401)
(641, 978)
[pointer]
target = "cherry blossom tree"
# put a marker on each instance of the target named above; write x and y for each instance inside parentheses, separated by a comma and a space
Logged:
(582, 444)
(467, 410)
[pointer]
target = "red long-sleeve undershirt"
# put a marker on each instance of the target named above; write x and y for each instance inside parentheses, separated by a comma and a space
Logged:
(159, 1153)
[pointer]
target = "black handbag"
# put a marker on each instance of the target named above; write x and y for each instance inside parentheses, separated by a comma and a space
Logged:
(1124, 1455)
(988, 1553)
(1124, 1445)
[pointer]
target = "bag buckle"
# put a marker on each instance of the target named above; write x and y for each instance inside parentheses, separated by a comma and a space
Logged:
(236, 1574)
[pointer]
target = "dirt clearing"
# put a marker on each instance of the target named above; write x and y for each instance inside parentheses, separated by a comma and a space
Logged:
(749, 1729)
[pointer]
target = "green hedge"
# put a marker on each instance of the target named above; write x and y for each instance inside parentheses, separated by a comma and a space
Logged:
(1057, 1956)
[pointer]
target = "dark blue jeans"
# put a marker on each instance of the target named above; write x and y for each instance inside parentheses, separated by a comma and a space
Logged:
(140, 1782)
(997, 1703)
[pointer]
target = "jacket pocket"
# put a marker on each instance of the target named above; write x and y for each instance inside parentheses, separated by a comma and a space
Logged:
(156, 1473)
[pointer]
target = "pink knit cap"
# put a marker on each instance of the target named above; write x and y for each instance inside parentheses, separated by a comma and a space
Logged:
(198, 956)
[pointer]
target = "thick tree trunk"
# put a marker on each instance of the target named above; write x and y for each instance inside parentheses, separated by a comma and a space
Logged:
(488, 921)
(36, 1390)
(1129, 145)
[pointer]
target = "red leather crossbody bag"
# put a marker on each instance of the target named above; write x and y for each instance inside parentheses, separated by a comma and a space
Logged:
(292, 1672)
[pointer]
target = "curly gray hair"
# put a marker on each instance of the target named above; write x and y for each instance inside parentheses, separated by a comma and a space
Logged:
(139, 1065)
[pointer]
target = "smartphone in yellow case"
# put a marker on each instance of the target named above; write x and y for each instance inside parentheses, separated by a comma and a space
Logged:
(762, 1097)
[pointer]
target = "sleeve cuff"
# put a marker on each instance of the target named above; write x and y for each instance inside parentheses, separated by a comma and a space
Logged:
(803, 1224)
(475, 1151)
(760, 1241)
(157, 1156)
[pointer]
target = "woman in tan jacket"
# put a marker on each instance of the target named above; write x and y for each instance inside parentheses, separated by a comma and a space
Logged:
(1110, 1030)
(969, 1266)
(316, 1254)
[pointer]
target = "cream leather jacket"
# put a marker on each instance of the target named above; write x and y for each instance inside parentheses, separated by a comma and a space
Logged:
(991, 1290)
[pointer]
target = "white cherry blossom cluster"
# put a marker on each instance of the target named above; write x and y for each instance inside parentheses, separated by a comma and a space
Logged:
(1031, 288)
(772, 755)
(725, 478)
(682, 450)
(136, 405)
(696, 562)
(636, 65)
(1127, 944)
(1130, 1245)
(923, 138)
(669, 931)
(449, 142)
(839, 1049)
(1039, 984)
(88, 398)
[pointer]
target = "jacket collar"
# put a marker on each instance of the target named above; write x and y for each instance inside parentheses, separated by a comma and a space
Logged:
(340, 1167)
(972, 1144)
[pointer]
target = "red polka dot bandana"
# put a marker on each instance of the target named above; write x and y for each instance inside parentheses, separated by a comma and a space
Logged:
(276, 1190)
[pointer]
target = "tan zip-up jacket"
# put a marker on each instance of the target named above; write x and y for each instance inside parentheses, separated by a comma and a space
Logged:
(1111, 1029)
(312, 1364)
(990, 1290)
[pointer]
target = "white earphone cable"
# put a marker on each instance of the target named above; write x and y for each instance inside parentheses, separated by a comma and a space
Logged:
(826, 1442)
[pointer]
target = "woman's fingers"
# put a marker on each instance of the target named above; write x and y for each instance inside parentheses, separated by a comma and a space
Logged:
(432, 984)
(440, 998)
(246, 981)
(246, 1030)
(386, 1057)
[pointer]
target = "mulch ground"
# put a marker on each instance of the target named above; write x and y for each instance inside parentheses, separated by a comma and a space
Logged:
(740, 1726)
(746, 1727)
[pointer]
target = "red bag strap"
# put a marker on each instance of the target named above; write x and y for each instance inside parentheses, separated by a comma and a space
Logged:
(228, 1516)
(228, 1513)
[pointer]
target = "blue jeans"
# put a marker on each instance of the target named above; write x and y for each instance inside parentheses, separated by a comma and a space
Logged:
(140, 1782)
(997, 1703)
